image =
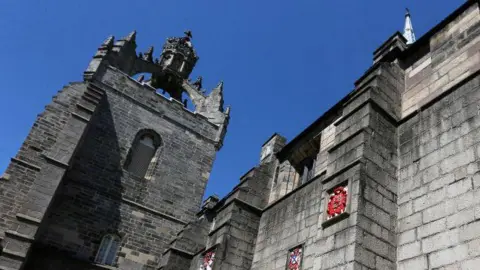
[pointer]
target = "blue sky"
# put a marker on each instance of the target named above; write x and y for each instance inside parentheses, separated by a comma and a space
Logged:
(283, 62)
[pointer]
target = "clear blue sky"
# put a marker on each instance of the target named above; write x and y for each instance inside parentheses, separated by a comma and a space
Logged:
(283, 62)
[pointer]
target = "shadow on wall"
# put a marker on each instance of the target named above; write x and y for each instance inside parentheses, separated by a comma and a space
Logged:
(87, 204)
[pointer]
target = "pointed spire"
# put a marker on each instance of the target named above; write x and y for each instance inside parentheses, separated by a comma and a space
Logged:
(131, 37)
(219, 87)
(408, 30)
(218, 90)
(108, 42)
(148, 56)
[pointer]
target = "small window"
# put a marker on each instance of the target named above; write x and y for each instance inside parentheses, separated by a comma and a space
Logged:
(108, 250)
(141, 154)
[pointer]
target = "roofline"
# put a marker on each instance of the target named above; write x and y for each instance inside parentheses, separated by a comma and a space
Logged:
(411, 48)
(396, 34)
(271, 137)
(426, 37)
(287, 148)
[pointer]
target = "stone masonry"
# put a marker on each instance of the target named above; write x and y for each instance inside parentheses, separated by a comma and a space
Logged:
(69, 186)
(403, 146)
(388, 178)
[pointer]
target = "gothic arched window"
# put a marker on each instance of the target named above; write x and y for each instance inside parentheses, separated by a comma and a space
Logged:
(108, 250)
(142, 152)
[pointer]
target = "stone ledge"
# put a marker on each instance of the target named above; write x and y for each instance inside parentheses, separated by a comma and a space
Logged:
(15, 234)
(94, 102)
(56, 162)
(17, 255)
(153, 211)
(93, 93)
(105, 266)
(181, 251)
(244, 204)
(216, 229)
(84, 108)
(28, 218)
(88, 94)
(343, 169)
(6, 268)
(95, 88)
(79, 117)
(26, 164)
(375, 106)
(344, 141)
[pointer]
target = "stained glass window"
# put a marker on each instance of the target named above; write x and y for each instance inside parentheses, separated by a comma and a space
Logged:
(295, 259)
(207, 260)
(337, 202)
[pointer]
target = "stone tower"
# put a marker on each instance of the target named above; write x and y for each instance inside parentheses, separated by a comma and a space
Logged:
(112, 170)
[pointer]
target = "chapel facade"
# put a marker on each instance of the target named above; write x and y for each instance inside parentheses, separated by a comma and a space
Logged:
(112, 173)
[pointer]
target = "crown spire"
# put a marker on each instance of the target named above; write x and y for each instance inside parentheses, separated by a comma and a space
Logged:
(408, 30)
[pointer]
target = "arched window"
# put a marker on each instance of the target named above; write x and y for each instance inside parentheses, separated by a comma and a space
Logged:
(141, 154)
(108, 250)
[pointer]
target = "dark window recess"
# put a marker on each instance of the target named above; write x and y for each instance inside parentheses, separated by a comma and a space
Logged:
(307, 168)
(142, 152)
(275, 178)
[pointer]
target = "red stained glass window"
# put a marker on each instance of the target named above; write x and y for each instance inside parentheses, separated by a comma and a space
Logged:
(207, 261)
(295, 259)
(337, 202)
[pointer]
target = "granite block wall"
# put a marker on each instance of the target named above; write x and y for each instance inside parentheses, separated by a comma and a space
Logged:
(438, 190)
(288, 223)
(449, 57)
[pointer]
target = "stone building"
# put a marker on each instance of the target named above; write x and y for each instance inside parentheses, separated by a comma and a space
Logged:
(112, 174)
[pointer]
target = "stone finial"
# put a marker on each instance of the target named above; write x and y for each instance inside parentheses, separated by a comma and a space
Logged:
(188, 34)
(219, 87)
(108, 43)
(148, 55)
(198, 83)
(131, 37)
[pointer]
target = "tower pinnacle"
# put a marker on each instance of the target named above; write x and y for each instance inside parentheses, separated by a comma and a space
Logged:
(408, 30)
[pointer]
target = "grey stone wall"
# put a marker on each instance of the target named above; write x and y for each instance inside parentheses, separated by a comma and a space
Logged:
(438, 187)
(99, 196)
(21, 172)
(404, 142)
(72, 168)
(290, 222)
(66, 135)
(447, 58)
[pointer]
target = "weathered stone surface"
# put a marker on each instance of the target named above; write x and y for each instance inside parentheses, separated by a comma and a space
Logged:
(404, 147)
